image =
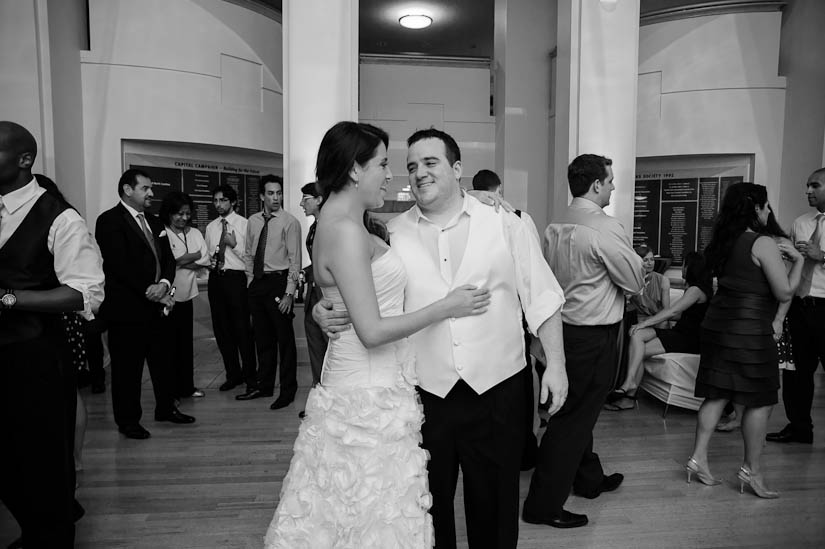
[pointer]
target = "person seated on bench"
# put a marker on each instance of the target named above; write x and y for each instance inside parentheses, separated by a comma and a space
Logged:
(646, 341)
(656, 296)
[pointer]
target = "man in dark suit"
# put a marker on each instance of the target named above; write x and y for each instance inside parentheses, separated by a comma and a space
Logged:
(139, 265)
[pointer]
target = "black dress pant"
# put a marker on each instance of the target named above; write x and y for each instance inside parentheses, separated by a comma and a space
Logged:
(229, 305)
(807, 324)
(566, 458)
(130, 345)
(316, 338)
(483, 435)
(36, 461)
(183, 359)
(274, 335)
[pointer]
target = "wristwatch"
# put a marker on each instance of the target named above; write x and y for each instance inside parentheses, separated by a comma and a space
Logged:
(8, 300)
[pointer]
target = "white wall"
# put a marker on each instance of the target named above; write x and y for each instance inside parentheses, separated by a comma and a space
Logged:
(25, 79)
(710, 85)
(802, 62)
(404, 98)
(172, 71)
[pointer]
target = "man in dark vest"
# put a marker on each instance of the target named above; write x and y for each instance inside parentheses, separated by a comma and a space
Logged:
(139, 266)
(49, 264)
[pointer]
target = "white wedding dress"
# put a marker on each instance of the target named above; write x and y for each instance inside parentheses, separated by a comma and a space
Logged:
(358, 476)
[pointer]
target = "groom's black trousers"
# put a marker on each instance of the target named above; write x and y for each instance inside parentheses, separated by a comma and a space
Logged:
(484, 435)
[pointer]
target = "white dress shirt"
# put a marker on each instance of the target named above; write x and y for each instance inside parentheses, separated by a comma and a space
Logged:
(595, 263)
(802, 229)
(487, 249)
(77, 260)
(186, 280)
(233, 256)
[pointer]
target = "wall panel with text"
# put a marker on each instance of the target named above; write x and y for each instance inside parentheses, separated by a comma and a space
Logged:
(677, 199)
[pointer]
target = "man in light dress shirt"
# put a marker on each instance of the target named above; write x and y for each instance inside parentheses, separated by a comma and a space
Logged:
(469, 369)
(806, 317)
(228, 298)
(596, 265)
(49, 264)
(273, 259)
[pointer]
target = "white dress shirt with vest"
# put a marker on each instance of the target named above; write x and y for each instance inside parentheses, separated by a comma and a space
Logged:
(487, 249)
(77, 261)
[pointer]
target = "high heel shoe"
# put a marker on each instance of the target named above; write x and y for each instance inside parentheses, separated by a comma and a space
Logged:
(692, 467)
(755, 482)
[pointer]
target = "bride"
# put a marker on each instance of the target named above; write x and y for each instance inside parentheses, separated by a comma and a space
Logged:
(358, 477)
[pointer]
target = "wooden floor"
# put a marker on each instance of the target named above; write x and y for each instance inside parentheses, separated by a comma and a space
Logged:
(216, 483)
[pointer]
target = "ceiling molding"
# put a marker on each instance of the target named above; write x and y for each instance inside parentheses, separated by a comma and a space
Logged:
(426, 60)
(267, 8)
(710, 8)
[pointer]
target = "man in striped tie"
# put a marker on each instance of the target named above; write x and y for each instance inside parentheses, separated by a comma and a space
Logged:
(806, 317)
(139, 265)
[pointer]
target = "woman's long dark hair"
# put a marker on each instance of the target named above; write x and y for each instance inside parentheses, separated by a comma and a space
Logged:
(345, 144)
(736, 215)
(51, 188)
(697, 273)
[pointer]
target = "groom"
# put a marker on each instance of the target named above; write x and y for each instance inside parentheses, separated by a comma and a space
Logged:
(469, 368)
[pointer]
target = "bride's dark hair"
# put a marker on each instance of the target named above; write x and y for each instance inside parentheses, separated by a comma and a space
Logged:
(343, 145)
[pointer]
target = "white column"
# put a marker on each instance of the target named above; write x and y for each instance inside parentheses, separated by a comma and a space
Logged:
(320, 84)
(598, 65)
(524, 37)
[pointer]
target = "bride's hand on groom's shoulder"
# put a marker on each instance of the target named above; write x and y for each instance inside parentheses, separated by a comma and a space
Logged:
(331, 322)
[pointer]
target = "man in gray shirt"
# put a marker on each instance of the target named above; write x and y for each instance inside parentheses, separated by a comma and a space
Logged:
(594, 262)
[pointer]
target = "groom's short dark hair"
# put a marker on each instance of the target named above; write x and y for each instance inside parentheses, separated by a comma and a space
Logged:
(450, 146)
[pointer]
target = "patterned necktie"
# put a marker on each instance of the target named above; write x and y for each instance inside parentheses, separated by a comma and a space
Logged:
(810, 265)
(221, 255)
(260, 251)
(151, 241)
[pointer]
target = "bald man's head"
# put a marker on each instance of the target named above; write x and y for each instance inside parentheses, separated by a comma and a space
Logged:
(18, 149)
(16, 139)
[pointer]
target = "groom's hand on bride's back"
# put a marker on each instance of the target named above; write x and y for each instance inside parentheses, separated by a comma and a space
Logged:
(331, 322)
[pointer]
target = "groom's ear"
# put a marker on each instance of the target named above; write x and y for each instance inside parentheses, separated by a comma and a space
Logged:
(457, 170)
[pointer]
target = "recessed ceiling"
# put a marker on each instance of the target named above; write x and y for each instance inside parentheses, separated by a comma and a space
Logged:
(461, 28)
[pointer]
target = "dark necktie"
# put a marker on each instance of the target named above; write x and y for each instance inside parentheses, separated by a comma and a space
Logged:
(311, 238)
(221, 255)
(260, 251)
(151, 241)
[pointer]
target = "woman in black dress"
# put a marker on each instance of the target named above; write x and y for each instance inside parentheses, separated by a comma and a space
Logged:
(646, 340)
(738, 352)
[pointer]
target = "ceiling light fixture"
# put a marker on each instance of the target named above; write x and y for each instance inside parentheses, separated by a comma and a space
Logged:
(415, 21)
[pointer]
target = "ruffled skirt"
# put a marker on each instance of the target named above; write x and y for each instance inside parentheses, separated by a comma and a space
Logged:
(358, 476)
(738, 353)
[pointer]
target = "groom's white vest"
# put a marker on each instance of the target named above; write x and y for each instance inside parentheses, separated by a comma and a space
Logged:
(482, 350)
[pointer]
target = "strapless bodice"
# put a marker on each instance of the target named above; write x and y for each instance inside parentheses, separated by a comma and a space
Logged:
(347, 361)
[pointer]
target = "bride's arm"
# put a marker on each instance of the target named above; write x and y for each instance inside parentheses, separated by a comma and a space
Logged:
(347, 254)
